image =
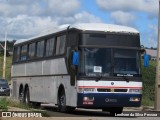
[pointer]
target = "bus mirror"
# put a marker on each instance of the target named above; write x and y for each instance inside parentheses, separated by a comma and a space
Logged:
(146, 60)
(75, 58)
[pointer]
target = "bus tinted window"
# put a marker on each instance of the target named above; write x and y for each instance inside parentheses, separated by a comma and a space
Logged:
(49, 47)
(60, 47)
(40, 49)
(72, 39)
(24, 53)
(16, 54)
(31, 50)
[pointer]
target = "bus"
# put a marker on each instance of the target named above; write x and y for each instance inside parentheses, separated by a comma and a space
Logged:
(83, 65)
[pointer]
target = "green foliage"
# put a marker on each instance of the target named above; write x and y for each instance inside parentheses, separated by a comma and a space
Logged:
(3, 104)
(17, 104)
(149, 76)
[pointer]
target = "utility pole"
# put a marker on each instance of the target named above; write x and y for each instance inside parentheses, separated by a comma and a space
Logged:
(157, 87)
(4, 60)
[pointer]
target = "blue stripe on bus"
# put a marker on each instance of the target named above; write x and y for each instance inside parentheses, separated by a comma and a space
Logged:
(102, 100)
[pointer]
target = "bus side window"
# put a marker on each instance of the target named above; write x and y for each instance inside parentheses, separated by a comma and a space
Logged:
(31, 50)
(16, 54)
(60, 47)
(40, 49)
(49, 47)
(23, 53)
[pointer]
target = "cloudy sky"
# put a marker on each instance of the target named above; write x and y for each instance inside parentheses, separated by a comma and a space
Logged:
(26, 18)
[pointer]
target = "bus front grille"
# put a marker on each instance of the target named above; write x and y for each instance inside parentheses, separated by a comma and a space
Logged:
(111, 90)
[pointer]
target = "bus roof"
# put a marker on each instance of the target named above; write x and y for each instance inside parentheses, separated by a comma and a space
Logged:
(104, 27)
(86, 27)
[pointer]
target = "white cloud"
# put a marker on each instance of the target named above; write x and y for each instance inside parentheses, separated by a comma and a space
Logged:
(149, 6)
(63, 7)
(81, 17)
(24, 26)
(12, 8)
(38, 7)
(153, 34)
(86, 17)
(25, 18)
(123, 18)
(149, 37)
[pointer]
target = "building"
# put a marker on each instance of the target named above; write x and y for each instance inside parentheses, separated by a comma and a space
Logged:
(152, 53)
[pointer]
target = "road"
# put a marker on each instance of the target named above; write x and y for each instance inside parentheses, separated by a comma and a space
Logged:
(79, 114)
(52, 111)
(95, 114)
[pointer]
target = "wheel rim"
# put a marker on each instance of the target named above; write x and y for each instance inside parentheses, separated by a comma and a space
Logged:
(62, 100)
(27, 97)
(21, 96)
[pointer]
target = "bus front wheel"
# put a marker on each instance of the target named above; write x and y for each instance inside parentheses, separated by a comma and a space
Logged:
(113, 110)
(116, 110)
(62, 101)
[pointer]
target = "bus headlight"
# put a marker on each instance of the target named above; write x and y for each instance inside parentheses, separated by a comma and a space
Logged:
(134, 99)
(138, 91)
(87, 98)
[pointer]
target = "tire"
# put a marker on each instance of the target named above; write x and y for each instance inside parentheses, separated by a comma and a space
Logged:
(62, 101)
(105, 110)
(27, 97)
(36, 104)
(70, 109)
(21, 96)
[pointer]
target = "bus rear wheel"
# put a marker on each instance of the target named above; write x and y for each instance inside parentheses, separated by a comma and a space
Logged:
(21, 96)
(36, 104)
(27, 97)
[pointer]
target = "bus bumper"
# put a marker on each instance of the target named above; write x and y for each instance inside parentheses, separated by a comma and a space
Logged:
(103, 100)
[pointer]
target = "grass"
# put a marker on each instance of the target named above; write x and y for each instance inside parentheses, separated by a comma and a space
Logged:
(5, 102)
(149, 76)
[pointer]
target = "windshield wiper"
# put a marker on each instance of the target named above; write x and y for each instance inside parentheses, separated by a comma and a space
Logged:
(125, 78)
(99, 78)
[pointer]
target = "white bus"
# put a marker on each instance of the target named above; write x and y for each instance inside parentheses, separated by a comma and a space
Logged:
(85, 65)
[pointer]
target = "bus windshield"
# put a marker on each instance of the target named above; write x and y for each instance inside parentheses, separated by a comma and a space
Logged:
(126, 62)
(103, 62)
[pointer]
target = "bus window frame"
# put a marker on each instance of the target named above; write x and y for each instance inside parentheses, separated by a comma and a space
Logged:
(54, 56)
